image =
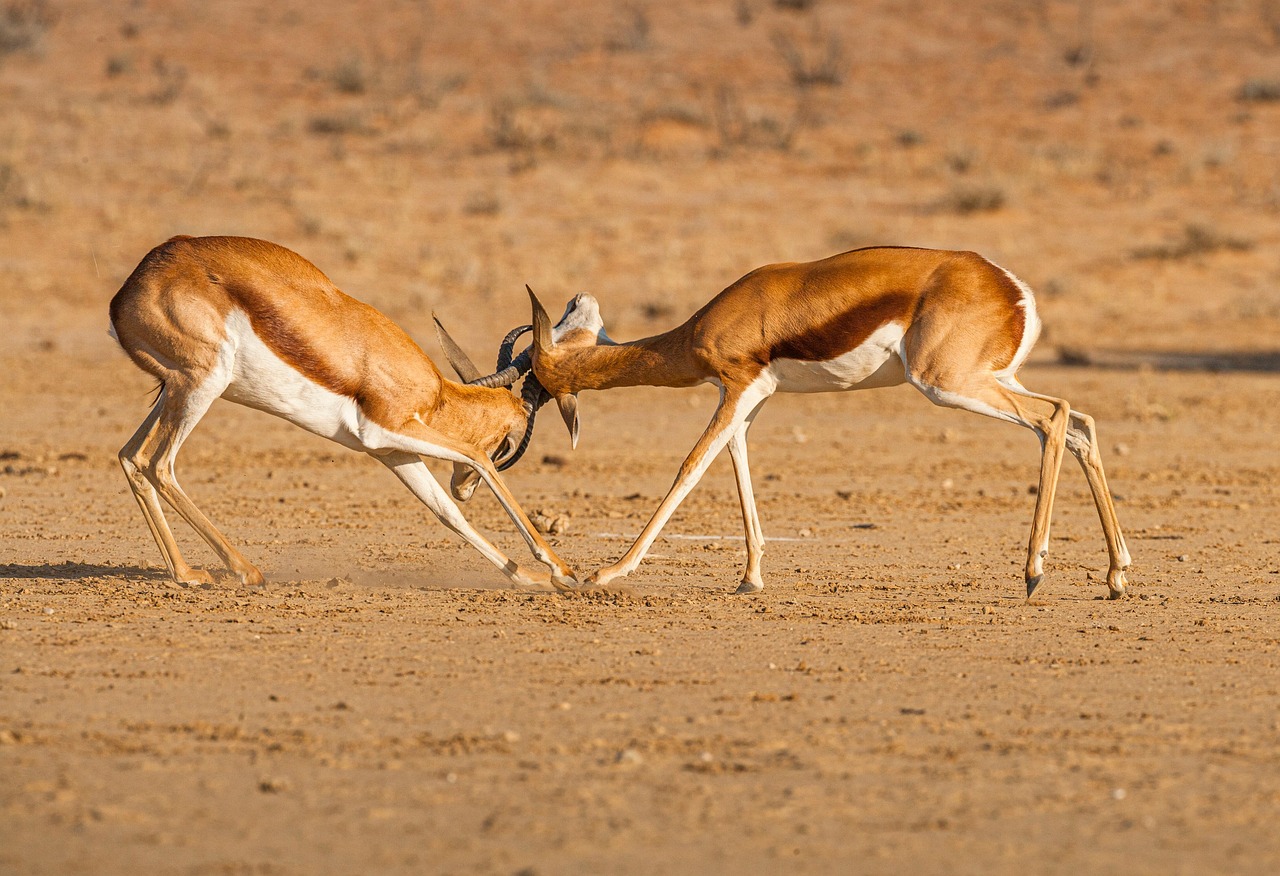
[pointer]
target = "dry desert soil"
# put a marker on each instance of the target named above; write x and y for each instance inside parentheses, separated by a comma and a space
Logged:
(890, 702)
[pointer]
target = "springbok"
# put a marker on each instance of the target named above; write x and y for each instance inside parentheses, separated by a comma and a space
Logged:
(257, 324)
(952, 324)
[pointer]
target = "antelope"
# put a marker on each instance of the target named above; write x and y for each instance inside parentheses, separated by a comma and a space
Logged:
(954, 325)
(259, 325)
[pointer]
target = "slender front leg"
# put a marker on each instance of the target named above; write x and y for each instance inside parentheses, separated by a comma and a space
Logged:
(728, 419)
(415, 475)
(752, 582)
(424, 441)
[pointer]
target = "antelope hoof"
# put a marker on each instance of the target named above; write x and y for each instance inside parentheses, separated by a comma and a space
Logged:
(1033, 581)
(533, 579)
(750, 587)
(251, 577)
(564, 582)
(1117, 585)
(193, 577)
(601, 577)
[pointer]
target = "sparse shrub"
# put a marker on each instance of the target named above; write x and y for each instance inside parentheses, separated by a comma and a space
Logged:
(795, 5)
(342, 123)
(737, 127)
(908, 139)
(23, 23)
(1061, 100)
(118, 65)
(972, 199)
(1196, 240)
(656, 310)
(482, 204)
(171, 79)
(633, 34)
(505, 131)
(961, 159)
(350, 76)
(13, 189)
(822, 64)
(1259, 91)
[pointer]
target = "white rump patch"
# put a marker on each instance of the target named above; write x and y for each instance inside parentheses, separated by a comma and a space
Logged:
(1030, 330)
(874, 363)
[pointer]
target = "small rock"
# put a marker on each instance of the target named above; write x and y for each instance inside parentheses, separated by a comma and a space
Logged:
(548, 522)
(629, 757)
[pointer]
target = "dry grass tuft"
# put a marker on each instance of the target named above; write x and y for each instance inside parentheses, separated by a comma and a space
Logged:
(23, 24)
(966, 199)
(1196, 240)
(821, 63)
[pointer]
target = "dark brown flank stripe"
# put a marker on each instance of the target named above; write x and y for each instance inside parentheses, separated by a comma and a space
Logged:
(846, 331)
(278, 334)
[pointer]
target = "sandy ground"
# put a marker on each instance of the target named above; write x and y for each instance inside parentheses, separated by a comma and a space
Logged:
(890, 702)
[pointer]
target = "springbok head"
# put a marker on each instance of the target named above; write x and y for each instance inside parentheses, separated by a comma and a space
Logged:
(580, 326)
(511, 368)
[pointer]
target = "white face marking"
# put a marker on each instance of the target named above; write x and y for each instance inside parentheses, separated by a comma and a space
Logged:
(583, 312)
(262, 380)
(873, 363)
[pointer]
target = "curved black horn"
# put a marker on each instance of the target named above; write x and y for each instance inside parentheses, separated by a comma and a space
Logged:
(509, 370)
(505, 377)
(534, 397)
(506, 350)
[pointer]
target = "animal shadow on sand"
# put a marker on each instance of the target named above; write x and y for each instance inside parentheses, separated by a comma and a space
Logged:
(72, 571)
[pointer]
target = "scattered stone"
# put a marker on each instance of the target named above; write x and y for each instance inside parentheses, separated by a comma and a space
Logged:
(273, 785)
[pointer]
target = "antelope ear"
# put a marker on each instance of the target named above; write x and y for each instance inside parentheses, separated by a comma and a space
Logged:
(569, 411)
(541, 323)
(462, 364)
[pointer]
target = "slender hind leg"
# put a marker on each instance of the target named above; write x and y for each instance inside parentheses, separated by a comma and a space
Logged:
(1082, 441)
(993, 399)
(752, 582)
(180, 409)
(149, 501)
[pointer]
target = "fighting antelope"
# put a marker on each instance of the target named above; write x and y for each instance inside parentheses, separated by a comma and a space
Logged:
(952, 324)
(257, 324)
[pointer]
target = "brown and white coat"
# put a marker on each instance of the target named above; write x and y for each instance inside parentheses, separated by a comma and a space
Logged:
(256, 324)
(952, 324)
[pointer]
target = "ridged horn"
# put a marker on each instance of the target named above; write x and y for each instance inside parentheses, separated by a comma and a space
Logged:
(534, 397)
(462, 364)
(506, 350)
(541, 323)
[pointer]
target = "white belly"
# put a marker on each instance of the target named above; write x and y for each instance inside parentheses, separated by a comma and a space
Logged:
(260, 379)
(873, 363)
